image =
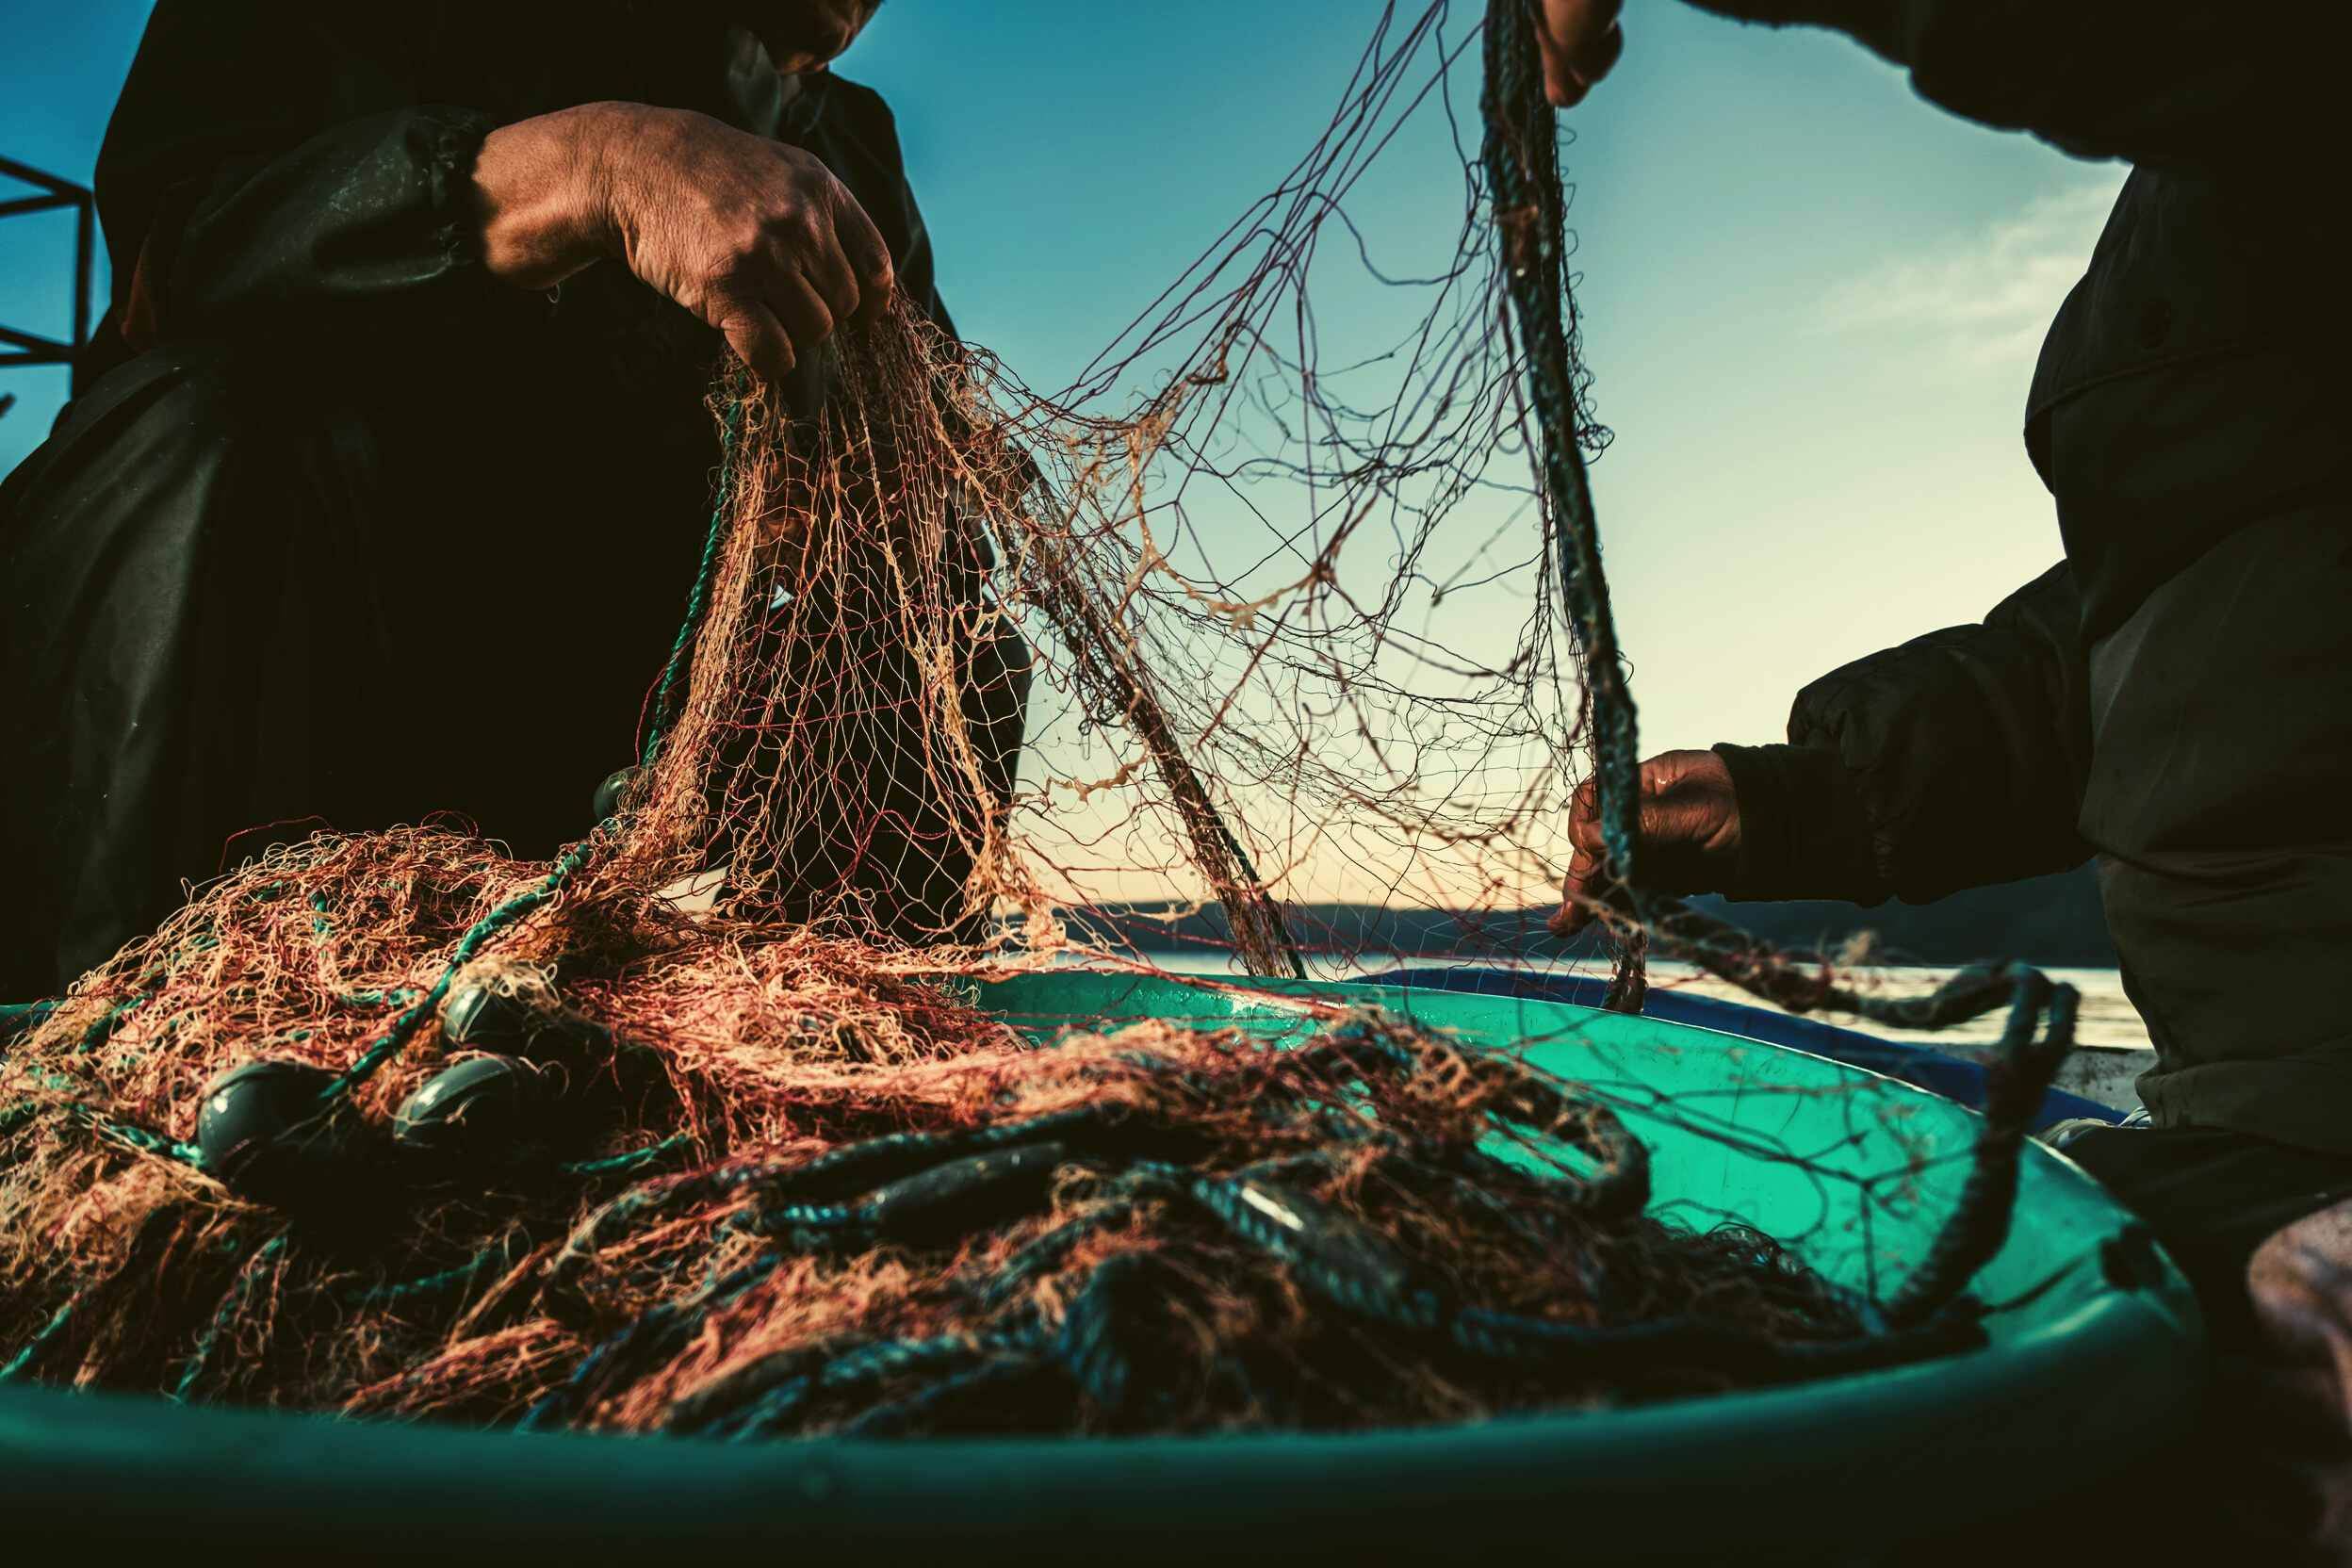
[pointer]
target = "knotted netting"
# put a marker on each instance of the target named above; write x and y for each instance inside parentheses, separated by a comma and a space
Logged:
(699, 1129)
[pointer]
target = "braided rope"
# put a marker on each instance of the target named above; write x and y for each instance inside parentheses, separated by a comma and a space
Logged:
(1522, 158)
(233, 1302)
(28, 1358)
(698, 602)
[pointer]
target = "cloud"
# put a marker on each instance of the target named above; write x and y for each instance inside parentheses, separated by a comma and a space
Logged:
(1982, 302)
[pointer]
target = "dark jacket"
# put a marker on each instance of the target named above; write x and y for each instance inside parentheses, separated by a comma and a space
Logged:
(294, 172)
(339, 528)
(2175, 696)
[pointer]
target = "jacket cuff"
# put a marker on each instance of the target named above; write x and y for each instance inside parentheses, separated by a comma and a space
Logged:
(1802, 829)
(453, 142)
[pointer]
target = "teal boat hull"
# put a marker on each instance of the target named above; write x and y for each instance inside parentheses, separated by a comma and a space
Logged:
(2096, 1356)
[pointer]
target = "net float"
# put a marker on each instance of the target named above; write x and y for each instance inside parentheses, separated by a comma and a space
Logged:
(606, 803)
(484, 1109)
(478, 1017)
(265, 1131)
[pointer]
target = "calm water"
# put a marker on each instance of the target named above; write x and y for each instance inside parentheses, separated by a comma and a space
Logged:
(2112, 1041)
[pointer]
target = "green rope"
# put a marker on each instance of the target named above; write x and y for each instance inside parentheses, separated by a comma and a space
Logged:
(635, 1160)
(698, 602)
(478, 936)
(133, 1136)
(103, 1031)
(83, 1114)
(232, 1304)
(21, 1367)
(495, 1260)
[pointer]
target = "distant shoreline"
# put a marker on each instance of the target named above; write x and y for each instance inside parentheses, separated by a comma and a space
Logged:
(2055, 921)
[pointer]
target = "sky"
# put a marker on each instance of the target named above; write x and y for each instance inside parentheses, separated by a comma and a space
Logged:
(1812, 300)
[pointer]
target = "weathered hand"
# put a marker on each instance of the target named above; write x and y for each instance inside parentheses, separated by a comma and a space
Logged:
(1687, 804)
(756, 238)
(1580, 40)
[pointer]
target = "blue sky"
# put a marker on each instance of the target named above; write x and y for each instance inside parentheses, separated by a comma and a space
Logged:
(1812, 300)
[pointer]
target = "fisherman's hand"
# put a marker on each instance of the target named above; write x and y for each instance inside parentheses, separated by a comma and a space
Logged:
(1689, 812)
(756, 238)
(1580, 40)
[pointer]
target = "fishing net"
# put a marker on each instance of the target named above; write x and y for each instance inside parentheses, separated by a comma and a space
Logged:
(700, 1128)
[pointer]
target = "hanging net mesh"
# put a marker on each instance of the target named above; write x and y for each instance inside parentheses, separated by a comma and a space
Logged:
(699, 1129)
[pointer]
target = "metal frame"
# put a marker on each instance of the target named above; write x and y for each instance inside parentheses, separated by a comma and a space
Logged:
(29, 348)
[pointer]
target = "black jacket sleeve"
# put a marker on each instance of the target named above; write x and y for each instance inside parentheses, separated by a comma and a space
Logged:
(1953, 761)
(270, 172)
(360, 232)
(2153, 81)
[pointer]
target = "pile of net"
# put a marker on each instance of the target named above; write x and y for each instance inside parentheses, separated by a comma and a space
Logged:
(759, 1185)
(698, 1129)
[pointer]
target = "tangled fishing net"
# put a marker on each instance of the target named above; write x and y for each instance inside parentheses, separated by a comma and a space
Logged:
(700, 1128)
